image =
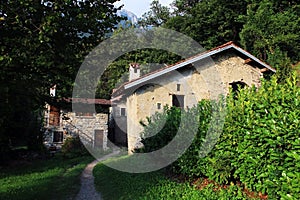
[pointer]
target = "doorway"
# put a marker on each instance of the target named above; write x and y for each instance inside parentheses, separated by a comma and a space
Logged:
(178, 101)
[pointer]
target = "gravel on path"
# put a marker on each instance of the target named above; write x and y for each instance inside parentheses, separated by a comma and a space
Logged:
(87, 190)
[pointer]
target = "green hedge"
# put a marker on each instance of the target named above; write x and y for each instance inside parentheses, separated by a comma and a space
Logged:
(259, 145)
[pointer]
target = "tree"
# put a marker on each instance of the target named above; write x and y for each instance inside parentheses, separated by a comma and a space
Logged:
(157, 15)
(210, 22)
(117, 72)
(271, 31)
(43, 43)
(183, 6)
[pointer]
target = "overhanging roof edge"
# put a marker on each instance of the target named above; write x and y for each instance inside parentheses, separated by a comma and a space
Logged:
(253, 58)
(184, 63)
(192, 60)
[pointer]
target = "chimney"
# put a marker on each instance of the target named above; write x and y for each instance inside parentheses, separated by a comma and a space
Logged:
(134, 71)
(52, 91)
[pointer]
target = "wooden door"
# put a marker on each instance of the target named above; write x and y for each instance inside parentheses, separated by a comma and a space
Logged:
(98, 138)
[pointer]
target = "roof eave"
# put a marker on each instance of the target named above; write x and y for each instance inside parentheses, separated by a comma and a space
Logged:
(192, 60)
(182, 64)
(253, 57)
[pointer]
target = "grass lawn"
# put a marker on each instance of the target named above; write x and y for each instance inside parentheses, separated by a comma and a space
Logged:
(113, 184)
(55, 178)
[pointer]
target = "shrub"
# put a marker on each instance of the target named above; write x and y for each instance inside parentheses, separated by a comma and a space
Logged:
(165, 124)
(265, 128)
(260, 141)
(259, 145)
(73, 147)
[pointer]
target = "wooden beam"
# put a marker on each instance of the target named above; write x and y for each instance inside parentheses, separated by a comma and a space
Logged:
(247, 60)
(264, 70)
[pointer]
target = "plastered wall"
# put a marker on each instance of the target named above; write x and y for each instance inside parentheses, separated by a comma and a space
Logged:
(204, 81)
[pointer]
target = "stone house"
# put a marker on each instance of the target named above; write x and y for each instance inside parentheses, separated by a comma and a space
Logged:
(61, 123)
(204, 76)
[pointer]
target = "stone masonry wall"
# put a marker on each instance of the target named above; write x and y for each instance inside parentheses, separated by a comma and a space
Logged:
(87, 127)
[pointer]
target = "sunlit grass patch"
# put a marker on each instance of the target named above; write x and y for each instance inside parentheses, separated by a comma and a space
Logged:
(56, 178)
(113, 184)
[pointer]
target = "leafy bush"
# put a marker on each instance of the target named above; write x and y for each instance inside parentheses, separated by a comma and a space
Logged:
(73, 147)
(188, 163)
(259, 145)
(177, 128)
(265, 129)
(165, 124)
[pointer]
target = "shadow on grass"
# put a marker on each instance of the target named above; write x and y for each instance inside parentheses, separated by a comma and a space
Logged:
(55, 178)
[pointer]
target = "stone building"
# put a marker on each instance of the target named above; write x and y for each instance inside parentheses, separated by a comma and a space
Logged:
(91, 127)
(204, 76)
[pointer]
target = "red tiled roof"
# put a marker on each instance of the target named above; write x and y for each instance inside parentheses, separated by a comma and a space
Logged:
(88, 101)
(118, 91)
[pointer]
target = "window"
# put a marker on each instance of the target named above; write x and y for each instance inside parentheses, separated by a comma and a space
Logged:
(58, 136)
(135, 70)
(158, 106)
(236, 87)
(178, 87)
(178, 101)
(123, 111)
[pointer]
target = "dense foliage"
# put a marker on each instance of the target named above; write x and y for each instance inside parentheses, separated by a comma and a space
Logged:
(265, 28)
(73, 148)
(259, 145)
(271, 29)
(210, 22)
(43, 43)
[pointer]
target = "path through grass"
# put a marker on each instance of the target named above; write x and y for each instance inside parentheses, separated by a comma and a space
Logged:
(55, 178)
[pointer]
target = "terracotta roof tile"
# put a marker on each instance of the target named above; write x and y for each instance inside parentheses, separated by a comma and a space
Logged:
(88, 101)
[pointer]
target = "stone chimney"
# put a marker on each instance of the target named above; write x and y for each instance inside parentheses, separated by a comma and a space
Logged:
(134, 71)
(52, 91)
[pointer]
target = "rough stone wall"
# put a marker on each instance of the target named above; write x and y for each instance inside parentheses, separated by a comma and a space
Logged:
(86, 126)
(233, 69)
(204, 82)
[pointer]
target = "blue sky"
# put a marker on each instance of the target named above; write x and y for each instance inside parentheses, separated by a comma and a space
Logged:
(139, 7)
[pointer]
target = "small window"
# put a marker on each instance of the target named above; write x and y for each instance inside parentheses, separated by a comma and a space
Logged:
(178, 87)
(158, 106)
(123, 111)
(135, 70)
(58, 136)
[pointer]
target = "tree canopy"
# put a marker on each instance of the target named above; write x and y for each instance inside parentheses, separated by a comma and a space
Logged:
(157, 15)
(43, 43)
(272, 27)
